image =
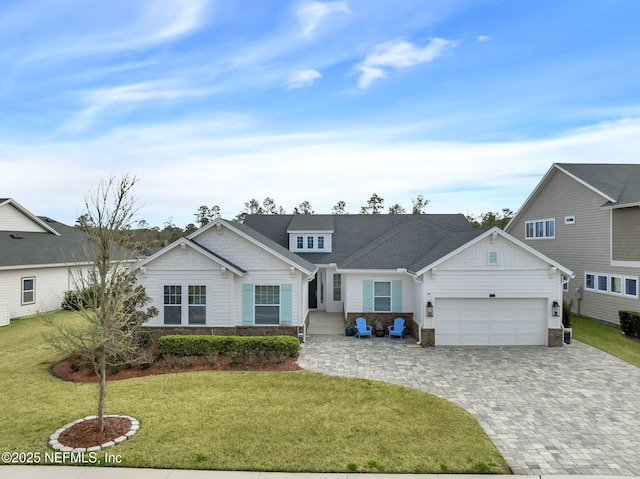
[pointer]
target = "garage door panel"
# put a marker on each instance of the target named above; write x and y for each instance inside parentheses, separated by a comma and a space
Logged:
(491, 321)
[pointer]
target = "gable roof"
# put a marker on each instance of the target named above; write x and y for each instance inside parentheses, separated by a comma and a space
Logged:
(497, 231)
(27, 249)
(375, 241)
(617, 183)
(43, 222)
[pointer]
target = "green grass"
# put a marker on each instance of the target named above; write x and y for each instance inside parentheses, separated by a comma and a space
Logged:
(270, 421)
(607, 338)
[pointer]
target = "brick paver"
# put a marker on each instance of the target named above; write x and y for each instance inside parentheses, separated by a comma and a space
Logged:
(570, 410)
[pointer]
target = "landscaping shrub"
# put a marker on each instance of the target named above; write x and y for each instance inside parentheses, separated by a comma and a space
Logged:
(199, 345)
(630, 323)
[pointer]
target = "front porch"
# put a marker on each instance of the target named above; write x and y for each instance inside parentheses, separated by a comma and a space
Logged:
(321, 322)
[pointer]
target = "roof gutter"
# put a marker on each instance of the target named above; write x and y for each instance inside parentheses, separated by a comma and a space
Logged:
(421, 283)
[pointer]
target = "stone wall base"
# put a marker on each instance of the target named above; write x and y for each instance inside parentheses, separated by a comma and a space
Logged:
(428, 338)
(556, 338)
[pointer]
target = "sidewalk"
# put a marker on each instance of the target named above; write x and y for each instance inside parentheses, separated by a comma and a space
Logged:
(83, 472)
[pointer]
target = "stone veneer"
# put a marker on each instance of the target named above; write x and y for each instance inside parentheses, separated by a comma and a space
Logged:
(556, 338)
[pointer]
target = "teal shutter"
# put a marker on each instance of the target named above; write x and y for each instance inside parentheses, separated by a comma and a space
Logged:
(286, 304)
(396, 296)
(247, 304)
(367, 295)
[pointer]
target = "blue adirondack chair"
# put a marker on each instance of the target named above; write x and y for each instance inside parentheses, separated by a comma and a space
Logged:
(397, 328)
(362, 329)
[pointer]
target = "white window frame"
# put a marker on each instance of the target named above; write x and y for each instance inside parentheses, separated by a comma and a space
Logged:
(390, 296)
(177, 306)
(299, 242)
(606, 286)
(337, 293)
(586, 283)
(186, 296)
(320, 242)
(611, 277)
(540, 229)
(31, 291)
(565, 283)
(192, 307)
(256, 304)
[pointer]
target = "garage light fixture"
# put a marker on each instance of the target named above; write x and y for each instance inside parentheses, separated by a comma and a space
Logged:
(555, 309)
(429, 309)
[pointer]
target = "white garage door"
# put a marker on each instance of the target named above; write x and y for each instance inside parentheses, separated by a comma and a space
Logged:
(490, 322)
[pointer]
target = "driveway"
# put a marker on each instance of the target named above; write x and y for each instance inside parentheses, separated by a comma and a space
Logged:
(570, 410)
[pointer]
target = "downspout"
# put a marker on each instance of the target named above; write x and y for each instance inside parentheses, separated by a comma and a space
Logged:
(421, 283)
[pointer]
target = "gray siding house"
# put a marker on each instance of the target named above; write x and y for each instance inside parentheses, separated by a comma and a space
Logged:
(587, 217)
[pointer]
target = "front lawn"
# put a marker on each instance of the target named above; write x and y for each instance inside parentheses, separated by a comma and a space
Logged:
(226, 420)
(607, 338)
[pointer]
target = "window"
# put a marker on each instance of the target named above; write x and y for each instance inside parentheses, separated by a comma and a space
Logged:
(603, 282)
(320, 242)
(615, 285)
(590, 281)
(540, 229)
(173, 305)
(299, 242)
(197, 304)
(631, 287)
(28, 290)
(493, 257)
(337, 287)
(382, 296)
(267, 305)
(310, 242)
(565, 284)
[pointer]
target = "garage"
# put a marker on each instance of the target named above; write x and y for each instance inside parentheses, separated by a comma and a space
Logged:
(490, 322)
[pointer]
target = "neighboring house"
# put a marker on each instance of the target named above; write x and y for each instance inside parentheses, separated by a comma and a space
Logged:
(36, 257)
(454, 285)
(587, 216)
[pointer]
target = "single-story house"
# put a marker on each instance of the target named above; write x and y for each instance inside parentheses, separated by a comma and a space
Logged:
(37, 255)
(453, 284)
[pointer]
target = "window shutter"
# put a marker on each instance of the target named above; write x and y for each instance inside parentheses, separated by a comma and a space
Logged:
(286, 304)
(247, 304)
(396, 295)
(367, 295)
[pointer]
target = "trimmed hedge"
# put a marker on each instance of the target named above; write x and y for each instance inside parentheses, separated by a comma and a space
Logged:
(199, 345)
(630, 323)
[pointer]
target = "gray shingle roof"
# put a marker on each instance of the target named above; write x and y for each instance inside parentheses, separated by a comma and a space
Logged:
(19, 248)
(378, 241)
(618, 181)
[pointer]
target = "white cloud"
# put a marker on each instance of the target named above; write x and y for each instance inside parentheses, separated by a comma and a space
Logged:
(399, 55)
(311, 14)
(302, 78)
(483, 38)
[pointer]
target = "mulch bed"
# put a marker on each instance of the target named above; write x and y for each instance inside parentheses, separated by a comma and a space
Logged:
(86, 434)
(69, 370)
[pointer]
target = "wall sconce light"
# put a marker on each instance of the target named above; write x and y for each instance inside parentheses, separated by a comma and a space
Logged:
(429, 309)
(555, 309)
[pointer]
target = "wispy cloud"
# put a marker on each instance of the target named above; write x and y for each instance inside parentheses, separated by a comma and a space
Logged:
(483, 38)
(398, 55)
(302, 78)
(311, 14)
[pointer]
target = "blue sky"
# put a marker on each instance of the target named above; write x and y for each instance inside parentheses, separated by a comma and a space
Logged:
(466, 102)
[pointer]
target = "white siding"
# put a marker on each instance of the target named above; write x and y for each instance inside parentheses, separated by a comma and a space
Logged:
(12, 219)
(517, 274)
(50, 285)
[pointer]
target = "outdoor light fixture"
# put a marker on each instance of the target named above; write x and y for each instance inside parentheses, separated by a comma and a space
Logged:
(555, 308)
(429, 309)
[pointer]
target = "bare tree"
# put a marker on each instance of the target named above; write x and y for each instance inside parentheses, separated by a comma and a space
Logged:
(111, 307)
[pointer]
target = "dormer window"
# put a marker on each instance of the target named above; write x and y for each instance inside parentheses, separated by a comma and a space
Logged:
(300, 242)
(309, 242)
(320, 242)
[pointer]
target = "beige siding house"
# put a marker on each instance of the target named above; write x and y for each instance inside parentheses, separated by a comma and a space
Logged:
(587, 217)
(37, 256)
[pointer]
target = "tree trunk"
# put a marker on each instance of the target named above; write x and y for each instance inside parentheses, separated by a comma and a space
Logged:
(102, 376)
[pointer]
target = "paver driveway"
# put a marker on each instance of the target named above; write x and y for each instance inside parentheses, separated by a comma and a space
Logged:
(571, 410)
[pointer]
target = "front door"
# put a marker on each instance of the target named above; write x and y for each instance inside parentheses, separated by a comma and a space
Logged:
(313, 293)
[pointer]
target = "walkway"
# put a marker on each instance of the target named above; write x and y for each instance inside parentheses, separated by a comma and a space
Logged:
(571, 410)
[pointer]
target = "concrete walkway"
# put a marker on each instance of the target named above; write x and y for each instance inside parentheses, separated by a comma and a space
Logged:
(550, 411)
